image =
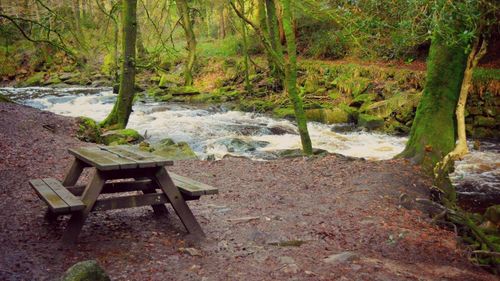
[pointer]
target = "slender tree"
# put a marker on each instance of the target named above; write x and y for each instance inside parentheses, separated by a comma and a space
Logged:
(245, 46)
(183, 10)
(118, 118)
(291, 77)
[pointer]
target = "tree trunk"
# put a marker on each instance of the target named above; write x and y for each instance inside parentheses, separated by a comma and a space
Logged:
(222, 23)
(245, 47)
(183, 10)
(141, 50)
(272, 27)
(291, 78)
(76, 11)
(118, 118)
(433, 132)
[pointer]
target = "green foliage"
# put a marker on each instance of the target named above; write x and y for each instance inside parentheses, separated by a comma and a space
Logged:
(486, 74)
(227, 47)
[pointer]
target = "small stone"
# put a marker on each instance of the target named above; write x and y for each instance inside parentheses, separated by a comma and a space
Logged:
(291, 268)
(191, 251)
(341, 257)
(286, 260)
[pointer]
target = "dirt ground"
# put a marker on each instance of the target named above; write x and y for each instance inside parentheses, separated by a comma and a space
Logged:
(326, 218)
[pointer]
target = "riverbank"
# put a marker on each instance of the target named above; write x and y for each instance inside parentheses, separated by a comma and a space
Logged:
(324, 218)
(375, 96)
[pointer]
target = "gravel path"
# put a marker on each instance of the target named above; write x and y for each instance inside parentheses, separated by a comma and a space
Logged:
(326, 218)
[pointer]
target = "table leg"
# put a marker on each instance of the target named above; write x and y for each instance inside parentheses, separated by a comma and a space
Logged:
(89, 197)
(157, 209)
(74, 173)
(177, 201)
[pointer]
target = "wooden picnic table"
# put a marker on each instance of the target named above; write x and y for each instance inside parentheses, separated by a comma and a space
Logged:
(139, 170)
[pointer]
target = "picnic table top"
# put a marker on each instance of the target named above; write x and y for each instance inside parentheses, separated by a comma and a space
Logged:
(118, 157)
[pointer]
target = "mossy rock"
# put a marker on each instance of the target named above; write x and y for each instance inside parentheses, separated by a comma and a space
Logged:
(174, 151)
(284, 112)
(36, 79)
(493, 214)
(403, 102)
(293, 153)
(327, 116)
(85, 271)
(256, 105)
(184, 91)
(4, 99)
(169, 80)
(123, 136)
(370, 122)
(88, 130)
(363, 100)
(53, 80)
(483, 121)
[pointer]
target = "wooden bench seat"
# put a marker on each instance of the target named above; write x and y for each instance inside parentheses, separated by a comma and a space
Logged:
(57, 197)
(191, 187)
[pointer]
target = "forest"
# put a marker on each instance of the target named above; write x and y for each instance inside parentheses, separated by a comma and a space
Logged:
(316, 139)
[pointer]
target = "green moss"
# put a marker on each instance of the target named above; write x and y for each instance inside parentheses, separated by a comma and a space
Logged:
(485, 74)
(256, 105)
(34, 80)
(167, 79)
(174, 151)
(284, 112)
(108, 65)
(88, 130)
(85, 271)
(327, 116)
(370, 122)
(123, 136)
(227, 47)
(4, 99)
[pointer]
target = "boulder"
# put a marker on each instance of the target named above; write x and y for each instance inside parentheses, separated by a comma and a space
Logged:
(88, 130)
(401, 103)
(123, 136)
(184, 90)
(53, 80)
(327, 116)
(168, 80)
(34, 80)
(86, 271)
(101, 83)
(239, 145)
(370, 122)
(174, 151)
(68, 75)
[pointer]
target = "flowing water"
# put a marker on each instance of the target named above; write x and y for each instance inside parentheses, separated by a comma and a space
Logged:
(215, 131)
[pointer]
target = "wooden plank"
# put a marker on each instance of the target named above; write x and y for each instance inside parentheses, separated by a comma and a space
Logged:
(130, 201)
(74, 172)
(56, 204)
(89, 197)
(192, 187)
(74, 203)
(142, 161)
(95, 158)
(147, 158)
(177, 201)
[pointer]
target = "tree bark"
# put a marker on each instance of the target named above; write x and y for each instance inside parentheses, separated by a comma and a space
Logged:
(433, 132)
(291, 78)
(183, 10)
(118, 118)
(272, 28)
(245, 47)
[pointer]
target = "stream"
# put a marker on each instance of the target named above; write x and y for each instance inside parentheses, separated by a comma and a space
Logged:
(214, 131)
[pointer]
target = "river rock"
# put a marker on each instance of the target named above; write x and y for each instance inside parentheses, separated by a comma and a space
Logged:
(88, 130)
(34, 80)
(101, 83)
(281, 130)
(240, 145)
(68, 75)
(123, 136)
(291, 153)
(86, 271)
(174, 151)
(341, 258)
(327, 116)
(370, 122)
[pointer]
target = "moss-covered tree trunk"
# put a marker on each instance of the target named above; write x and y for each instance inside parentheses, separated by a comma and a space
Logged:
(183, 10)
(291, 77)
(245, 47)
(433, 132)
(272, 28)
(118, 118)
